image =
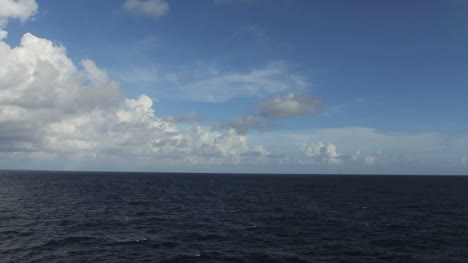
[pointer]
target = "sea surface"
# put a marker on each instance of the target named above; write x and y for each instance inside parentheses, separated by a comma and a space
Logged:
(158, 217)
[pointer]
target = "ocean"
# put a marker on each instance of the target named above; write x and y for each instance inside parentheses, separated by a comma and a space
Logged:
(170, 217)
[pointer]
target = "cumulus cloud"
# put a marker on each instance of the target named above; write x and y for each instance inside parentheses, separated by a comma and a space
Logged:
(153, 8)
(15, 9)
(292, 105)
(38, 80)
(39, 86)
(51, 107)
(323, 153)
(134, 131)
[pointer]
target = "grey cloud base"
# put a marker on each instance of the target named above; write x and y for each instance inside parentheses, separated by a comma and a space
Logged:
(289, 106)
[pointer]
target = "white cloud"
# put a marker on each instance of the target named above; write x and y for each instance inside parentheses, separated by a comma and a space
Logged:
(38, 80)
(15, 9)
(153, 8)
(134, 131)
(323, 153)
(320, 153)
(50, 107)
(19, 9)
(3, 34)
(369, 140)
(363, 149)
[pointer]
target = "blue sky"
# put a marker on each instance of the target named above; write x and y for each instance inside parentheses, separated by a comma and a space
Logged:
(235, 86)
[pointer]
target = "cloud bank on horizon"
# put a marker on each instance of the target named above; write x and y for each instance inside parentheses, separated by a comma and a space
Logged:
(57, 111)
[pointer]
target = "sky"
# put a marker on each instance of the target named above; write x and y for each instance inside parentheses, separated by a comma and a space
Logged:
(235, 86)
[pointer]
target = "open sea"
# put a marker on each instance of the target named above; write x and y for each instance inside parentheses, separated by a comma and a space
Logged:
(170, 217)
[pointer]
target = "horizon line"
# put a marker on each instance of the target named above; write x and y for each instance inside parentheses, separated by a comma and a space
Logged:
(224, 173)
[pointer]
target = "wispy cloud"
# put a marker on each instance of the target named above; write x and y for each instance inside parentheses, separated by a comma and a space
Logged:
(291, 105)
(223, 86)
(152, 8)
(208, 82)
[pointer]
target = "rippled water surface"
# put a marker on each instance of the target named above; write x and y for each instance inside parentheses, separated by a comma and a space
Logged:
(135, 217)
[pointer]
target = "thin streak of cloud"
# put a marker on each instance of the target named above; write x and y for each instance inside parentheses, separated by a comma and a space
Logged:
(152, 8)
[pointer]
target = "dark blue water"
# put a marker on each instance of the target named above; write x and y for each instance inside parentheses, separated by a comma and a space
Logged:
(131, 217)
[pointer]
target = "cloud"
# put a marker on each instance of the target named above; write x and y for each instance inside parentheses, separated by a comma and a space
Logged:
(15, 9)
(152, 8)
(369, 139)
(242, 124)
(292, 105)
(216, 86)
(40, 85)
(363, 148)
(289, 106)
(191, 116)
(133, 131)
(208, 82)
(323, 153)
(50, 107)
(20, 9)
(38, 80)
(320, 153)
(370, 160)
